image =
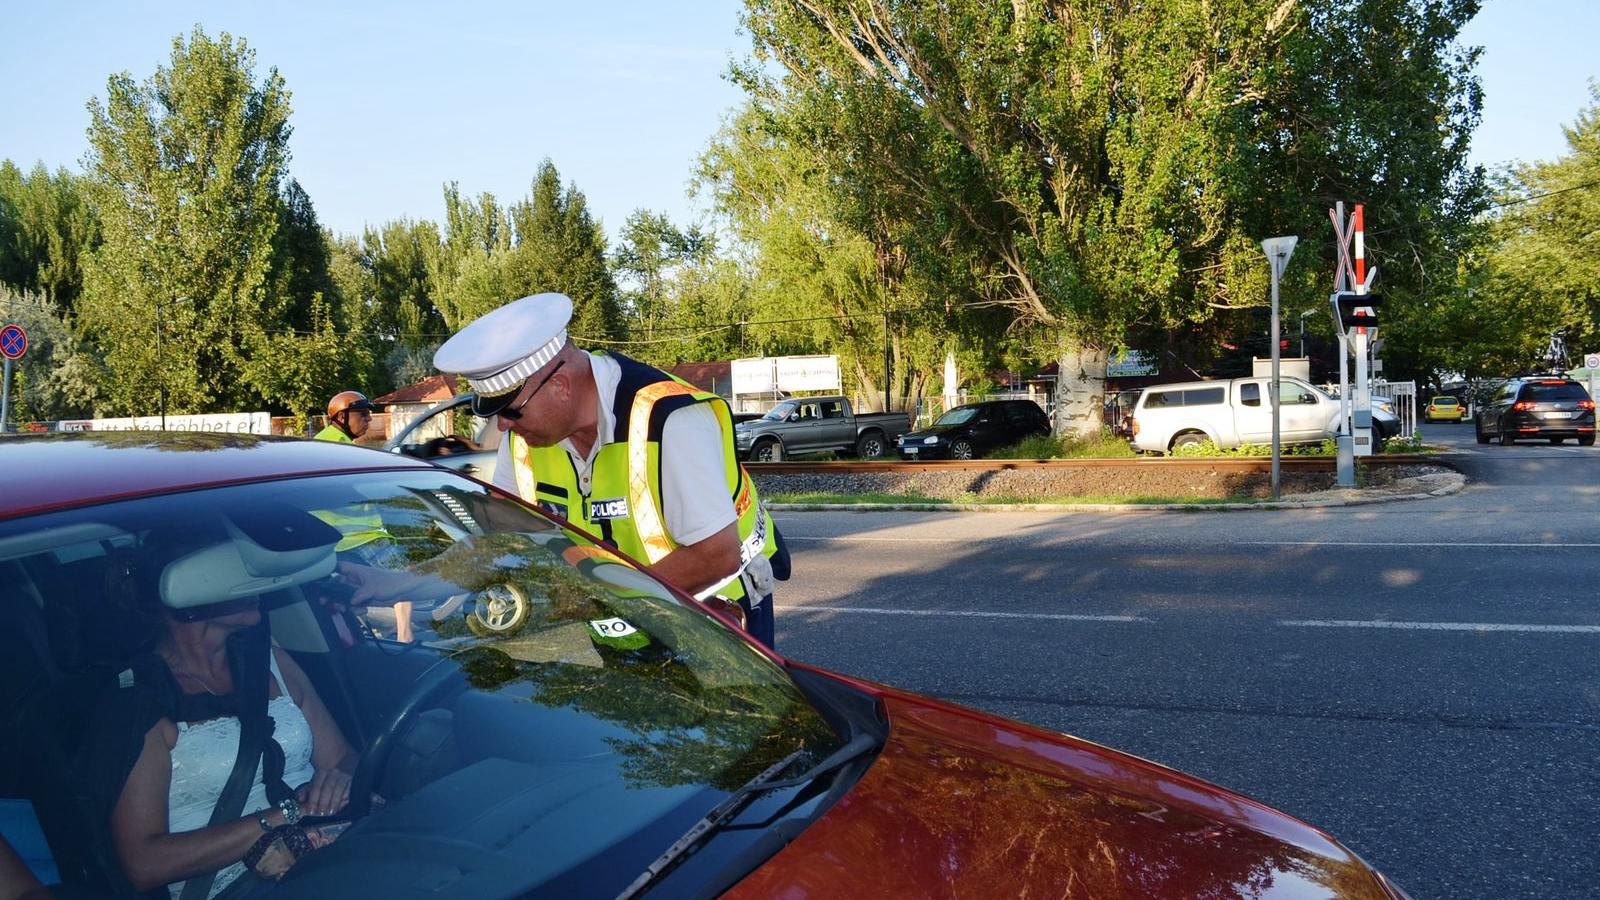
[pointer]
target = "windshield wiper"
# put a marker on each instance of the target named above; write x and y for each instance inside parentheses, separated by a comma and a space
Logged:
(728, 808)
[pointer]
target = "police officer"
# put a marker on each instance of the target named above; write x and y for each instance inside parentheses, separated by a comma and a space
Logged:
(349, 415)
(629, 455)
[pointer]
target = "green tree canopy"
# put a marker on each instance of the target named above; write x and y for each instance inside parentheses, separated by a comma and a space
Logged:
(1099, 167)
(186, 168)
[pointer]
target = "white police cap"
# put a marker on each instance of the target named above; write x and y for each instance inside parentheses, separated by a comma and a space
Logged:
(500, 349)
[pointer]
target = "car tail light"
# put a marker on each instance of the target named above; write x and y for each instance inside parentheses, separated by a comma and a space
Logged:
(1523, 405)
(1586, 404)
(1529, 428)
(1133, 426)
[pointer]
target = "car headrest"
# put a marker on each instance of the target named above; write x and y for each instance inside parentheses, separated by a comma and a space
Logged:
(270, 547)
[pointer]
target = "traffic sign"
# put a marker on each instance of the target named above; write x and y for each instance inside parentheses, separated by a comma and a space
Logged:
(1591, 361)
(13, 342)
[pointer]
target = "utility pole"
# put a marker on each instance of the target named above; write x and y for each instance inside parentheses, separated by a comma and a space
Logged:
(1278, 251)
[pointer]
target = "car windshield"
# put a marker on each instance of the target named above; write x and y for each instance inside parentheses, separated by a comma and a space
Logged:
(566, 717)
(781, 411)
(958, 416)
(1444, 401)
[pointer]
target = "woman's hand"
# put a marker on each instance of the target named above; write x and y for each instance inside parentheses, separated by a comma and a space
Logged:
(327, 793)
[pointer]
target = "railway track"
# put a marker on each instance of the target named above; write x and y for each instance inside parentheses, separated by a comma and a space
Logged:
(1206, 464)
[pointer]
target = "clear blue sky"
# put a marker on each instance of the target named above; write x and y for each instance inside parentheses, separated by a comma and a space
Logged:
(393, 99)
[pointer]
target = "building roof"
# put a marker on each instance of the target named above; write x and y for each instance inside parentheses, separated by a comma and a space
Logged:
(429, 390)
(716, 377)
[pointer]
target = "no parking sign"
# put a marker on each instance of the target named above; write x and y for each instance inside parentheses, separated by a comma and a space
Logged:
(13, 341)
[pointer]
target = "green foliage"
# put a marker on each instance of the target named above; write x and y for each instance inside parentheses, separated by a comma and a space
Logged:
(1538, 289)
(1102, 445)
(186, 168)
(1096, 169)
(54, 379)
(1328, 447)
(47, 225)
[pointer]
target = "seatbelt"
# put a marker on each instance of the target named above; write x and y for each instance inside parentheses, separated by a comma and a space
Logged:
(255, 734)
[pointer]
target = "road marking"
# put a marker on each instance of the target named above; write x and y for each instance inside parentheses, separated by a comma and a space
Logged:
(968, 614)
(1443, 626)
(862, 539)
(1410, 544)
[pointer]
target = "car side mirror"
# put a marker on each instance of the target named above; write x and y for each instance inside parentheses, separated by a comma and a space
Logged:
(793, 417)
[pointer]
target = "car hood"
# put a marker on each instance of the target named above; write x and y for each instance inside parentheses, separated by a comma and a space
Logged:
(931, 431)
(960, 804)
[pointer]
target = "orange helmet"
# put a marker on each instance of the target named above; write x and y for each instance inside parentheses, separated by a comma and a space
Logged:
(347, 400)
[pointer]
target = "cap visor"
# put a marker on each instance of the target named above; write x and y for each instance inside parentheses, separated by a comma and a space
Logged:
(485, 407)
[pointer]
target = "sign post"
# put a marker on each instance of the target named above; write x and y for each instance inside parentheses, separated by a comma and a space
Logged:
(1278, 251)
(1591, 361)
(13, 343)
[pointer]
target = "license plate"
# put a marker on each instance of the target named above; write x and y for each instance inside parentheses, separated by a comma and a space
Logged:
(912, 451)
(1557, 415)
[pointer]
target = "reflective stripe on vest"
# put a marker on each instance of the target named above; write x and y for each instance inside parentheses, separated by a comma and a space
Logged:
(641, 531)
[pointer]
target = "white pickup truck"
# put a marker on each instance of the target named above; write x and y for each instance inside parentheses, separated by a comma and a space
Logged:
(1238, 411)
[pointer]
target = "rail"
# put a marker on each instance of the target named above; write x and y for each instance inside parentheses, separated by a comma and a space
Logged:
(1211, 463)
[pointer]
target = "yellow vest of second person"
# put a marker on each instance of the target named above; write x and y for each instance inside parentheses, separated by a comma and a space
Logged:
(622, 507)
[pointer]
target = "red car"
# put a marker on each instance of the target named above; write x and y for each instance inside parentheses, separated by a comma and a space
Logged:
(564, 724)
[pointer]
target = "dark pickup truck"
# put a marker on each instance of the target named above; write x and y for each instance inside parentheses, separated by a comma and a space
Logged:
(817, 424)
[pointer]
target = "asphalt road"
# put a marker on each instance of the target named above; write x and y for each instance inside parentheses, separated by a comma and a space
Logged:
(1421, 679)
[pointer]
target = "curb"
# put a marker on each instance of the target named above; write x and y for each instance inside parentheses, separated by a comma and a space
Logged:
(1454, 485)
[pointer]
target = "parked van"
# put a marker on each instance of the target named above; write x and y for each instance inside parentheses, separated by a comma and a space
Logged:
(1238, 411)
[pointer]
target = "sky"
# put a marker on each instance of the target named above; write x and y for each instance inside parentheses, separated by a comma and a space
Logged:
(393, 99)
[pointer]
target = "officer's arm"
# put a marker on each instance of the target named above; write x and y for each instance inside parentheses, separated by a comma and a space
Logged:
(695, 567)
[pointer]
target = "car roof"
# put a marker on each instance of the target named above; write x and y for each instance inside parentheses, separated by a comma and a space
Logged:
(52, 471)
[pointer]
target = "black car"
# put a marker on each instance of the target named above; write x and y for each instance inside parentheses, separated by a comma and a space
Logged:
(1552, 409)
(967, 432)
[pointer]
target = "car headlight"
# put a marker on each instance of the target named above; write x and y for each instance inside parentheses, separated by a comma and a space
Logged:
(930, 440)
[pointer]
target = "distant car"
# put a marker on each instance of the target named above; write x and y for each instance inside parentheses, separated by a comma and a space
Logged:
(1445, 409)
(970, 431)
(817, 425)
(1552, 409)
(1231, 413)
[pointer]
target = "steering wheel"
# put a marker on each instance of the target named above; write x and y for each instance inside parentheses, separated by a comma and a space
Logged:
(434, 683)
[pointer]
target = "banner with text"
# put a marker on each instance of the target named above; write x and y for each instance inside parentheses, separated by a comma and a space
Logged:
(221, 423)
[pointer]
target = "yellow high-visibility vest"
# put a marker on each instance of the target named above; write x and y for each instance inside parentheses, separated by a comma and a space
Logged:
(622, 507)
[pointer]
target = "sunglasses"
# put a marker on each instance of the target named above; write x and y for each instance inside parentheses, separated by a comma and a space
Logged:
(514, 413)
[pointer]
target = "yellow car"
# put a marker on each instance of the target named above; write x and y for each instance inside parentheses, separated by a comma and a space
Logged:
(1445, 409)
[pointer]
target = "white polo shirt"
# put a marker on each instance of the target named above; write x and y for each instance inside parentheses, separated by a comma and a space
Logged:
(694, 491)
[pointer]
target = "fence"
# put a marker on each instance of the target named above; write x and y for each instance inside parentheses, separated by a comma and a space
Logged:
(1402, 395)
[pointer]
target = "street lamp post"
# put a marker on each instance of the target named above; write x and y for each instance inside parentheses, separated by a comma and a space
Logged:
(1278, 251)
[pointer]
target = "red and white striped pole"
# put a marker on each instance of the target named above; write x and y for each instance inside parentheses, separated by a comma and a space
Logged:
(1361, 248)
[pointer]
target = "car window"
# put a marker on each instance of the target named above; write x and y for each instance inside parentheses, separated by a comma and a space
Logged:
(1205, 396)
(780, 412)
(1250, 393)
(833, 409)
(594, 711)
(1161, 399)
(1545, 392)
(1293, 394)
(958, 416)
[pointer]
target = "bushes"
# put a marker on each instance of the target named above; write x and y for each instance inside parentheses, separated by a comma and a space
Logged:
(1105, 445)
(1207, 448)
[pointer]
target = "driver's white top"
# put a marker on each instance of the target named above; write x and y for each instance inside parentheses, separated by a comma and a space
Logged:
(695, 501)
(202, 760)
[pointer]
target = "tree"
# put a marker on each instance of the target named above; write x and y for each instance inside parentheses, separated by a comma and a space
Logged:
(55, 378)
(560, 247)
(652, 249)
(47, 225)
(1097, 167)
(185, 169)
(822, 284)
(1538, 300)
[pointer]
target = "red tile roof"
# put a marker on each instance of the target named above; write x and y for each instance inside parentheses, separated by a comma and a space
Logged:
(429, 390)
(716, 377)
